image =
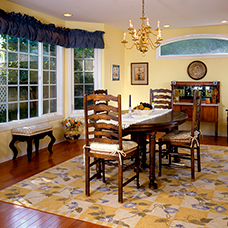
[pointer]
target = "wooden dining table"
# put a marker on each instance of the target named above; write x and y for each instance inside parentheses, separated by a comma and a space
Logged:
(140, 131)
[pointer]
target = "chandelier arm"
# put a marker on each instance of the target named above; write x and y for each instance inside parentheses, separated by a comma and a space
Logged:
(129, 48)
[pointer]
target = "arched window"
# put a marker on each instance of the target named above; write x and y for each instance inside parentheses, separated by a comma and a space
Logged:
(194, 45)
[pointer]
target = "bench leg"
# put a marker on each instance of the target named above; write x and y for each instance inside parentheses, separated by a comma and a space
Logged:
(13, 148)
(29, 150)
(51, 143)
(36, 141)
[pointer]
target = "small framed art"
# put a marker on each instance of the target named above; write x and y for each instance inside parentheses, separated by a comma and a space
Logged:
(139, 73)
(115, 72)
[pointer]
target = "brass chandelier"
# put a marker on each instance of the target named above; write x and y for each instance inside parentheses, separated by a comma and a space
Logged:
(141, 37)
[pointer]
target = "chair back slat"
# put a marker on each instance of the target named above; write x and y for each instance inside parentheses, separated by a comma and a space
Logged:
(102, 125)
(196, 113)
(162, 98)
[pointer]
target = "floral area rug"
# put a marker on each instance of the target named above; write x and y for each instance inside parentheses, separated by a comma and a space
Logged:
(177, 202)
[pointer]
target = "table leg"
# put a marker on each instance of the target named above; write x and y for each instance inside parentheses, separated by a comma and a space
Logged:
(152, 140)
(13, 148)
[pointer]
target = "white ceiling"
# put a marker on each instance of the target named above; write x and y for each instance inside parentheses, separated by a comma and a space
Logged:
(116, 13)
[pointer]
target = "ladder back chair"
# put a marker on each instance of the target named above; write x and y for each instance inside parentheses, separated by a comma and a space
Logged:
(185, 139)
(103, 133)
(161, 98)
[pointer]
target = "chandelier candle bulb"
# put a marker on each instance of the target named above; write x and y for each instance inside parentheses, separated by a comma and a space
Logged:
(158, 24)
(124, 38)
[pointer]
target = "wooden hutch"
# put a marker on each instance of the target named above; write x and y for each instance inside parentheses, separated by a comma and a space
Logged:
(183, 99)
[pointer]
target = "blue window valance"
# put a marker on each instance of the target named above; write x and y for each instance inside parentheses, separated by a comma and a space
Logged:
(17, 25)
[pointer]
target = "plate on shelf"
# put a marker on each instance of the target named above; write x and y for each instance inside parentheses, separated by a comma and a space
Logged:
(197, 70)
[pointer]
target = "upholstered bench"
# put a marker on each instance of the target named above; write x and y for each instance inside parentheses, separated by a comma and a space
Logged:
(29, 133)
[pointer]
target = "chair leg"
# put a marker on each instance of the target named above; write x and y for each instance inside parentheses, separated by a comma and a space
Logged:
(103, 170)
(192, 164)
(160, 159)
(137, 168)
(120, 181)
(198, 159)
(87, 174)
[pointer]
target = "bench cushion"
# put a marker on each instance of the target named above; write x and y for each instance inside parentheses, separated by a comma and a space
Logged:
(32, 129)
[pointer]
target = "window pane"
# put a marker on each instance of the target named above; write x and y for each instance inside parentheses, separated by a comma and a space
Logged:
(46, 63)
(78, 77)
(53, 92)
(3, 42)
(78, 52)
(23, 61)
(78, 65)
(12, 111)
(78, 90)
(45, 107)
(33, 92)
(34, 62)
(89, 78)
(3, 60)
(89, 89)
(53, 77)
(3, 110)
(23, 93)
(53, 63)
(3, 94)
(198, 46)
(53, 50)
(23, 77)
(12, 43)
(12, 77)
(88, 65)
(53, 104)
(12, 93)
(45, 77)
(89, 53)
(78, 103)
(24, 110)
(46, 92)
(13, 60)
(33, 47)
(3, 77)
(23, 45)
(34, 109)
(33, 77)
(45, 49)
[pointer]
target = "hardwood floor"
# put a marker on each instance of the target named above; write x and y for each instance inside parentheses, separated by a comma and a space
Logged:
(14, 171)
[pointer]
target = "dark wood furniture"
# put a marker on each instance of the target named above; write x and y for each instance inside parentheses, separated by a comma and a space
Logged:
(140, 130)
(103, 133)
(186, 139)
(161, 98)
(210, 102)
(30, 133)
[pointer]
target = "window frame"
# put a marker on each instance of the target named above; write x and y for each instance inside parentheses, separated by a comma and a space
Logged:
(97, 80)
(187, 37)
(60, 88)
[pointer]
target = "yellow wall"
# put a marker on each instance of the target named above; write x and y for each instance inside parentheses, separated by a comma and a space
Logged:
(161, 72)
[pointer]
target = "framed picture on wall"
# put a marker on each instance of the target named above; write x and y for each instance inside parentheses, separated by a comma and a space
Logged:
(115, 72)
(139, 73)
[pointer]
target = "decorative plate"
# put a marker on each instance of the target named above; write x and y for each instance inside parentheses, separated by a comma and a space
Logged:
(197, 70)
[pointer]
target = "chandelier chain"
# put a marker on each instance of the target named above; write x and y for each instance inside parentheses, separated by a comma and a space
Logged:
(143, 11)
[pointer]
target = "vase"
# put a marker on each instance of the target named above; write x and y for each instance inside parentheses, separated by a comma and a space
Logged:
(71, 135)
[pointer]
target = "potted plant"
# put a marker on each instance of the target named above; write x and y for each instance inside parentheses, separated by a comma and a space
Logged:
(73, 128)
